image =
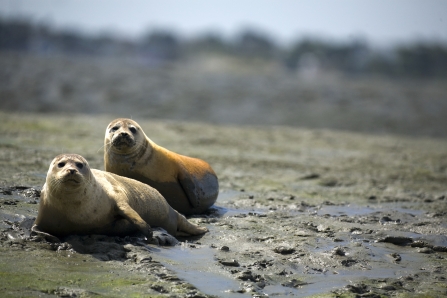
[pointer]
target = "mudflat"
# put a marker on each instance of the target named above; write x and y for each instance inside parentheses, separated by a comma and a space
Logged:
(300, 212)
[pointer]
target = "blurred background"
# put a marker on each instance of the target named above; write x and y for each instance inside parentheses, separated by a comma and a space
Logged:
(366, 66)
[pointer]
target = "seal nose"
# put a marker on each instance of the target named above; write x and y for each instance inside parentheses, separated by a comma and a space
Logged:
(124, 134)
(72, 171)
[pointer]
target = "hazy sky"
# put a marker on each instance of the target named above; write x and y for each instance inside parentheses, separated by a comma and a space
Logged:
(379, 21)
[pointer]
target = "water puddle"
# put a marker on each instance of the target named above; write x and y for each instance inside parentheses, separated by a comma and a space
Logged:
(233, 212)
(228, 196)
(357, 210)
(198, 267)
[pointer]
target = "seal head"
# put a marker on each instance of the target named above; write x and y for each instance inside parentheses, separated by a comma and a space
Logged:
(68, 173)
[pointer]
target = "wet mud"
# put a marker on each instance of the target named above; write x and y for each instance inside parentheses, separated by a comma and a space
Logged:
(300, 213)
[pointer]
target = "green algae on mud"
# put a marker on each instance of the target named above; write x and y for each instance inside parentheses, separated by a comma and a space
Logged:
(35, 271)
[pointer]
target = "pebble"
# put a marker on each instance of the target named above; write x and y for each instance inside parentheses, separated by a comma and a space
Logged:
(294, 283)
(302, 234)
(339, 251)
(397, 240)
(246, 275)
(230, 263)
(30, 193)
(388, 288)
(284, 250)
(425, 250)
(396, 257)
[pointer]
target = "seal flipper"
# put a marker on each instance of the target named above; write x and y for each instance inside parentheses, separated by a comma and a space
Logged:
(186, 182)
(128, 213)
(48, 237)
(186, 228)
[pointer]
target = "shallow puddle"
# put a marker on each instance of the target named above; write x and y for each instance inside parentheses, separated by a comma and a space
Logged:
(357, 210)
(221, 210)
(198, 267)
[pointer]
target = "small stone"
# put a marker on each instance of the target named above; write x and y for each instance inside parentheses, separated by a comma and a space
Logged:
(6, 192)
(348, 263)
(10, 202)
(396, 257)
(224, 248)
(385, 219)
(388, 288)
(339, 251)
(425, 250)
(440, 248)
(284, 250)
(397, 240)
(30, 193)
(311, 176)
(358, 289)
(328, 182)
(282, 272)
(230, 263)
(294, 283)
(302, 234)
(246, 275)
(420, 244)
(322, 228)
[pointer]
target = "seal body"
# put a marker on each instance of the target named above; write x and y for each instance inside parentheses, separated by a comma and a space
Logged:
(188, 184)
(78, 200)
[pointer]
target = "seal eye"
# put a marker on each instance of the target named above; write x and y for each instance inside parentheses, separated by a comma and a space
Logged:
(115, 128)
(79, 165)
(133, 129)
(61, 164)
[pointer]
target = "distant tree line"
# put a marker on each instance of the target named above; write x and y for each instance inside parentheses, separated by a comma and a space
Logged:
(356, 57)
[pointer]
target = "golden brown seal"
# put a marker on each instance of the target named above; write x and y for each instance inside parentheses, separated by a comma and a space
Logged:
(188, 184)
(78, 200)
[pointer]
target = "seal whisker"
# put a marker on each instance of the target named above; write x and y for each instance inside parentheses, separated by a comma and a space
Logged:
(107, 147)
(104, 146)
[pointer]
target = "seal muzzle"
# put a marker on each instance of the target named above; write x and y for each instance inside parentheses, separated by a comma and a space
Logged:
(123, 139)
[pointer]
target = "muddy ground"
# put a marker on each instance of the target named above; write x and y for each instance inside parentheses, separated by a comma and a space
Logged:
(301, 212)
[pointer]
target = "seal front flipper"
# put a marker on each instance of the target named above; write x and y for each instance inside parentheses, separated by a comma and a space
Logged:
(186, 181)
(35, 231)
(128, 213)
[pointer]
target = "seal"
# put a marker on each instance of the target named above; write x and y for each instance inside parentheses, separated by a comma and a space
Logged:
(188, 184)
(78, 200)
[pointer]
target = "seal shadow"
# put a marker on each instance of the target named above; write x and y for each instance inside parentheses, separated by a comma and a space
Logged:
(108, 248)
(100, 247)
